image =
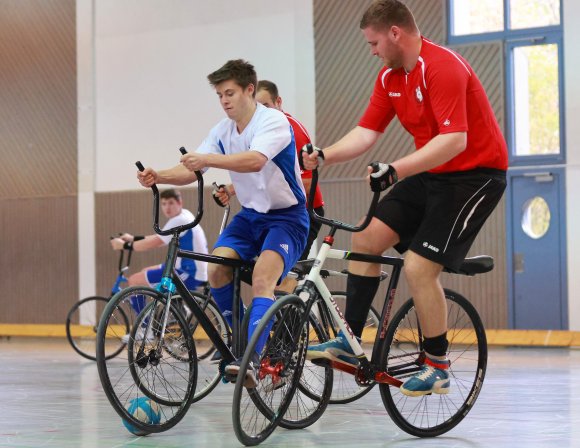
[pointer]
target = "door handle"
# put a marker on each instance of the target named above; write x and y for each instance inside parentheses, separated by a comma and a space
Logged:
(541, 177)
(518, 263)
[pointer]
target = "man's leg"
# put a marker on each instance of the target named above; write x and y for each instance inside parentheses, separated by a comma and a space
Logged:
(361, 286)
(267, 271)
(220, 278)
(429, 299)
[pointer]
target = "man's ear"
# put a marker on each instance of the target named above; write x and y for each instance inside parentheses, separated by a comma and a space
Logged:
(278, 103)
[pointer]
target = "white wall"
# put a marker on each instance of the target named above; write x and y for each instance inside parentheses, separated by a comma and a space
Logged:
(571, 19)
(152, 58)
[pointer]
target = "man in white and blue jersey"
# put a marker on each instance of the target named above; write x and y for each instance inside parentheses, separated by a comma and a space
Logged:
(256, 145)
(192, 272)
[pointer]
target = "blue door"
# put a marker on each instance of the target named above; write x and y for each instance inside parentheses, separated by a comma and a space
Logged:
(538, 249)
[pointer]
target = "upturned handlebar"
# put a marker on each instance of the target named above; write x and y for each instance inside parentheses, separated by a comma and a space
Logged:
(198, 215)
(332, 222)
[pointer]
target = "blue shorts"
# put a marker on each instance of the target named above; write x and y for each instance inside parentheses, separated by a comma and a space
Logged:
(154, 278)
(283, 231)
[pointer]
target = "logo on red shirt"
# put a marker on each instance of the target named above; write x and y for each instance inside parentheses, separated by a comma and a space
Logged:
(418, 94)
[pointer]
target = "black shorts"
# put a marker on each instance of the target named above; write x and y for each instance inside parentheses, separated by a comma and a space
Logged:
(312, 232)
(438, 216)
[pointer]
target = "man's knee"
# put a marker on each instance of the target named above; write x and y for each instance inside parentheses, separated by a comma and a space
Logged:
(421, 270)
(219, 275)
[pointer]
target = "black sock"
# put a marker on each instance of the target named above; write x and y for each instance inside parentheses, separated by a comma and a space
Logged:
(436, 346)
(360, 292)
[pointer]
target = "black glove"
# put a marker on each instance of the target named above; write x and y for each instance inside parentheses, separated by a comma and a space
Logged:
(309, 148)
(215, 198)
(383, 176)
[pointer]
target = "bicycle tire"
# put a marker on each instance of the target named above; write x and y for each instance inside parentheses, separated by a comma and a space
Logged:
(314, 388)
(164, 378)
(402, 356)
(256, 412)
(344, 388)
(83, 337)
(208, 374)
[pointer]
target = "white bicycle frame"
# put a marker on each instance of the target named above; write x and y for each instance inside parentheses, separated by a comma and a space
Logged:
(314, 276)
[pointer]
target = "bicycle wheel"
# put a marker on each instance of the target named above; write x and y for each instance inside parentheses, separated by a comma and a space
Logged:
(314, 389)
(344, 388)
(257, 411)
(208, 374)
(81, 328)
(402, 356)
(147, 372)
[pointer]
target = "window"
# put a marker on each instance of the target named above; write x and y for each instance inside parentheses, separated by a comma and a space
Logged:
(473, 17)
(531, 31)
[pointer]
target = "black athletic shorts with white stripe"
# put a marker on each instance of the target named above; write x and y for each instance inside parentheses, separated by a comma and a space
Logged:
(438, 216)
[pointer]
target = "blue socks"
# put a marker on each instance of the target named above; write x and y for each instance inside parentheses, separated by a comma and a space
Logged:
(259, 307)
(224, 298)
(137, 303)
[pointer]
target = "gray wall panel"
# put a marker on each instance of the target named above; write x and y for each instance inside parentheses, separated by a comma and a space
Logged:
(38, 259)
(37, 98)
(38, 161)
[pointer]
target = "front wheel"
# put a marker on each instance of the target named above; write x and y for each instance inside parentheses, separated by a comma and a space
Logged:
(151, 384)
(81, 328)
(257, 411)
(402, 356)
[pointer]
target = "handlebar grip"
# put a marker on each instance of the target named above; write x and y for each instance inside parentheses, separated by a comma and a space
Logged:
(139, 165)
(375, 166)
(215, 198)
(309, 148)
(182, 150)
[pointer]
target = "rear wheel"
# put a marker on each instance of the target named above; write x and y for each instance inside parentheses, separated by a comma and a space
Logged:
(208, 375)
(403, 356)
(81, 328)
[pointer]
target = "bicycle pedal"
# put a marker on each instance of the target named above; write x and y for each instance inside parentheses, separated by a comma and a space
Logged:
(323, 362)
(229, 378)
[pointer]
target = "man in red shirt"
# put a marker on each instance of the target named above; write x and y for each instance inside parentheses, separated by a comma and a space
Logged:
(267, 94)
(443, 192)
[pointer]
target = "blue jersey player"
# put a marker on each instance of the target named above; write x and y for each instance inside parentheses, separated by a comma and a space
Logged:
(256, 145)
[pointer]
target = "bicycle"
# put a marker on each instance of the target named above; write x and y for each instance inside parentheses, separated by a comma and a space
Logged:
(344, 389)
(162, 365)
(397, 351)
(83, 317)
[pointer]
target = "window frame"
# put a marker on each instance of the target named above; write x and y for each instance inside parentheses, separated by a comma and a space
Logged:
(512, 39)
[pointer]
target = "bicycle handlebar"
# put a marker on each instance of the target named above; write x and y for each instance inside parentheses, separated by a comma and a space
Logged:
(332, 222)
(184, 227)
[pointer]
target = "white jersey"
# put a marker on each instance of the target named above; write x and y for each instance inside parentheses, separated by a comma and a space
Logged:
(192, 240)
(278, 184)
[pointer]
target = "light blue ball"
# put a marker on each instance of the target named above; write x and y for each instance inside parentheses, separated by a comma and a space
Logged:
(144, 410)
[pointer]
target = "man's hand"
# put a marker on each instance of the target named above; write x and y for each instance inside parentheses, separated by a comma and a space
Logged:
(381, 176)
(312, 157)
(221, 194)
(147, 177)
(127, 237)
(194, 161)
(117, 243)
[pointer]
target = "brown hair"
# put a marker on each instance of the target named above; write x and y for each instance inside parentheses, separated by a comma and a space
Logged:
(238, 70)
(383, 14)
(269, 87)
(171, 193)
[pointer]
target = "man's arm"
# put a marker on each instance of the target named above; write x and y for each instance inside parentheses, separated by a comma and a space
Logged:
(246, 162)
(352, 145)
(437, 151)
(149, 242)
(178, 175)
